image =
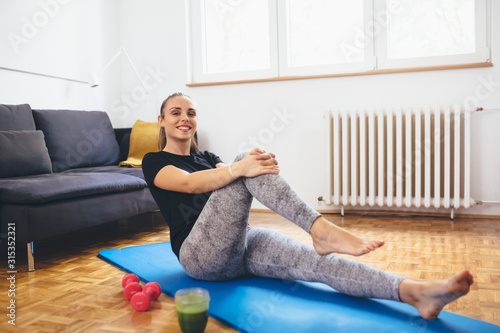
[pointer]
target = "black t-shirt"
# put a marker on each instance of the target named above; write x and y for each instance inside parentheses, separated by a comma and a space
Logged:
(180, 210)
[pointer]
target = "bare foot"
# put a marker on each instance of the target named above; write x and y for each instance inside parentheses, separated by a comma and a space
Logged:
(430, 297)
(328, 238)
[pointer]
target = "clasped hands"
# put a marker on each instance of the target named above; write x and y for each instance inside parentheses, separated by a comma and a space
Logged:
(257, 163)
(267, 159)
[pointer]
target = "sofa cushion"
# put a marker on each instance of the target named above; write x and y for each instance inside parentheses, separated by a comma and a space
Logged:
(78, 139)
(136, 172)
(16, 118)
(23, 153)
(46, 188)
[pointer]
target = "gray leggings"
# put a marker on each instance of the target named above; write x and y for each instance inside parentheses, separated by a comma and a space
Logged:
(221, 245)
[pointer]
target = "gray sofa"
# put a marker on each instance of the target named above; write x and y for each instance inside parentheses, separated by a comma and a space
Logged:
(59, 173)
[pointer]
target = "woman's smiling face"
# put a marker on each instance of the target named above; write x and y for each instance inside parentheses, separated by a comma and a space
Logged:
(179, 119)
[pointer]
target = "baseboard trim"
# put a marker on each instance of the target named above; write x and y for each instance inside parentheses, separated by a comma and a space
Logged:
(390, 212)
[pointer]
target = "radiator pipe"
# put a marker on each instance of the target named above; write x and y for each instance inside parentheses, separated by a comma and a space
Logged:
(487, 109)
(487, 202)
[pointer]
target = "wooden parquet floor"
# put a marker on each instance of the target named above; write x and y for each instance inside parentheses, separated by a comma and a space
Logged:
(74, 291)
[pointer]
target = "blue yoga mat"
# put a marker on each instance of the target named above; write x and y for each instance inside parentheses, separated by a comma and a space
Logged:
(264, 305)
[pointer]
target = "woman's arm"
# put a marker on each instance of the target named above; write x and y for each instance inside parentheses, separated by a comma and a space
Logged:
(256, 163)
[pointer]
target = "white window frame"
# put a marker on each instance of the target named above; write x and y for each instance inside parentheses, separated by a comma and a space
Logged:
(482, 53)
(375, 48)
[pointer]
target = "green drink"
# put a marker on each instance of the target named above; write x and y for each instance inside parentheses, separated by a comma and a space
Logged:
(192, 309)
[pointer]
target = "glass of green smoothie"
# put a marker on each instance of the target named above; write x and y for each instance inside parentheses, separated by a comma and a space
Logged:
(192, 309)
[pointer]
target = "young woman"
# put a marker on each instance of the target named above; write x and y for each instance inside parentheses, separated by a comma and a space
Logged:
(207, 204)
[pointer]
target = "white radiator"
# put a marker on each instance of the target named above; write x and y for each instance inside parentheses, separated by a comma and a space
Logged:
(402, 157)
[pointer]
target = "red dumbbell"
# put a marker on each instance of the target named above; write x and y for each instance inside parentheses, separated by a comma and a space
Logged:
(131, 286)
(140, 301)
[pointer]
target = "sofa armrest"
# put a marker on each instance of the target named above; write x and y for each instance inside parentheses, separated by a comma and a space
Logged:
(123, 138)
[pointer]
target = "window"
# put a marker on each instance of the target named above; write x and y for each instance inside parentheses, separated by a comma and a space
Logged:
(433, 33)
(233, 40)
(313, 33)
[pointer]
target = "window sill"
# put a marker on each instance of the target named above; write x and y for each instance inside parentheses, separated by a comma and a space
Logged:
(374, 72)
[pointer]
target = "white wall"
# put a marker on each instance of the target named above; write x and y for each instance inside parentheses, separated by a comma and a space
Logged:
(63, 38)
(154, 34)
(231, 115)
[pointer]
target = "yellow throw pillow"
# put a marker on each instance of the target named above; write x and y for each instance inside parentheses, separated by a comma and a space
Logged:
(143, 140)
